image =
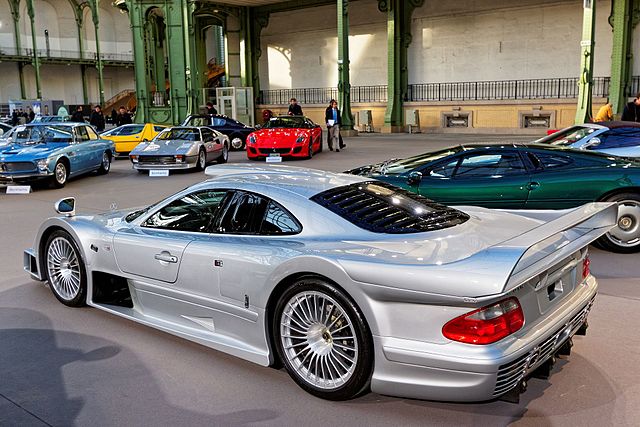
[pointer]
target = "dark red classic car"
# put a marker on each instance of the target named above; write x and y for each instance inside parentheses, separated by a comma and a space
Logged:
(285, 136)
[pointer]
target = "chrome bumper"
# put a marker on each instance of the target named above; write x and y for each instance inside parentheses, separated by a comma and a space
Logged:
(411, 369)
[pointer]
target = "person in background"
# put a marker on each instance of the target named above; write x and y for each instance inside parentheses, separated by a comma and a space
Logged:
(14, 118)
(114, 116)
(77, 116)
(605, 113)
(32, 115)
(631, 112)
(211, 109)
(332, 118)
(123, 118)
(97, 119)
(294, 108)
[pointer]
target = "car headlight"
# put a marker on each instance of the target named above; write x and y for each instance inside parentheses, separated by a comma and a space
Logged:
(134, 158)
(300, 139)
(252, 139)
(43, 165)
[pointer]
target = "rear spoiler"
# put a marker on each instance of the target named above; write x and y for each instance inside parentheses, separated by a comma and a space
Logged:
(558, 239)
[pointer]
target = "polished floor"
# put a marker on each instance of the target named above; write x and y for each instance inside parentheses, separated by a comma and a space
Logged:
(62, 366)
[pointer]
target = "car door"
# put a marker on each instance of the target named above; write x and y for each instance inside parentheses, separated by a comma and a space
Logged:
(80, 154)
(96, 147)
(210, 144)
(491, 178)
(564, 180)
(154, 249)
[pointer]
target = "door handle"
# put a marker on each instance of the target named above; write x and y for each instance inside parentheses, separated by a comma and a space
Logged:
(166, 257)
(533, 185)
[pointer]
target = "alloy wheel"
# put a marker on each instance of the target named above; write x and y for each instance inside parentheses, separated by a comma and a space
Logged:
(63, 267)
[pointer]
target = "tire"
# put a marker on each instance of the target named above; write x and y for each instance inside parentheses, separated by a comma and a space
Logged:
(236, 142)
(320, 149)
(310, 317)
(105, 164)
(65, 269)
(60, 174)
(310, 149)
(625, 237)
(201, 163)
(224, 156)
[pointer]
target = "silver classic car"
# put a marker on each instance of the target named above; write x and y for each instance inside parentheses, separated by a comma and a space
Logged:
(350, 284)
(181, 148)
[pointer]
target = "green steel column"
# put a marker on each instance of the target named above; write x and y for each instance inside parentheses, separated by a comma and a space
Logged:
(585, 83)
(15, 13)
(137, 16)
(189, 7)
(621, 20)
(344, 86)
(36, 59)
(257, 21)
(83, 69)
(94, 4)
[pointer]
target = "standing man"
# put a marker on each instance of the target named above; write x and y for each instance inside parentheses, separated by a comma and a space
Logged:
(123, 117)
(631, 112)
(77, 116)
(97, 119)
(211, 109)
(605, 113)
(332, 118)
(32, 115)
(294, 108)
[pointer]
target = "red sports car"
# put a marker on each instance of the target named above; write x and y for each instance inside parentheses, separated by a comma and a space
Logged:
(285, 136)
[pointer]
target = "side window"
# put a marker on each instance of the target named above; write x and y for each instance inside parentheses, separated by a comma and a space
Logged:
(490, 165)
(195, 212)
(81, 133)
(252, 214)
(443, 170)
(551, 160)
(92, 134)
(618, 137)
(158, 128)
(207, 135)
(217, 121)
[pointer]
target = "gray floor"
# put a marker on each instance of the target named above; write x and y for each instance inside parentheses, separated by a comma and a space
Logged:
(63, 366)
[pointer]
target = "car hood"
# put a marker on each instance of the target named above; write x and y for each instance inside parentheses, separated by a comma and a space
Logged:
(276, 137)
(28, 150)
(163, 147)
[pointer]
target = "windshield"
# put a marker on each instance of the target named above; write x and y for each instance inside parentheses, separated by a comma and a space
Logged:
(45, 134)
(568, 136)
(181, 134)
(124, 130)
(285, 122)
(397, 167)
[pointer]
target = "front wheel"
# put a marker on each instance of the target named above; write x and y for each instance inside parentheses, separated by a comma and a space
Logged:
(65, 269)
(625, 237)
(323, 340)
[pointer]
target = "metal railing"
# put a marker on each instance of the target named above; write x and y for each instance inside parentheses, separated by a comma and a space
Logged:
(556, 88)
(65, 54)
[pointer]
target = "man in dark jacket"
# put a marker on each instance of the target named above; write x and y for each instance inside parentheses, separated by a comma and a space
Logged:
(631, 112)
(211, 109)
(332, 118)
(123, 117)
(294, 108)
(97, 118)
(77, 116)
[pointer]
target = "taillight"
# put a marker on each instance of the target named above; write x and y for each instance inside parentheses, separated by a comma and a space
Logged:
(586, 267)
(486, 325)
(179, 158)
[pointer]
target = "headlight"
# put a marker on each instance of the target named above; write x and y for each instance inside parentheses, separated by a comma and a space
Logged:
(43, 165)
(252, 139)
(134, 158)
(300, 139)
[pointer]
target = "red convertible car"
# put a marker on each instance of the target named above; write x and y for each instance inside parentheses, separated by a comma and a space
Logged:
(285, 136)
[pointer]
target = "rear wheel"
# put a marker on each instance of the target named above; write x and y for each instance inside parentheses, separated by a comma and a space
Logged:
(625, 237)
(105, 164)
(60, 174)
(237, 143)
(65, 269)
(323, 340)
(201, 163)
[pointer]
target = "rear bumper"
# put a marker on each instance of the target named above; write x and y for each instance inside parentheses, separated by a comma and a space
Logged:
(458, 372)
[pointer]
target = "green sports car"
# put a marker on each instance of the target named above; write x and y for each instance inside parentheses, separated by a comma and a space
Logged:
(524, 177)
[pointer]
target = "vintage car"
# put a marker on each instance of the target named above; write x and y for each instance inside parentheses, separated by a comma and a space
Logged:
(614, 138)
(181, 148)
(127, 137)
(519, 176)
(285, 136)
(54, 151)
(352, 284)
(4, 129)
(236, 131)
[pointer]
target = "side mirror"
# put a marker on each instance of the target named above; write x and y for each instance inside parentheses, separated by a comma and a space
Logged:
(258, 126)
(414, 178)
(593, 142)
(66, 206)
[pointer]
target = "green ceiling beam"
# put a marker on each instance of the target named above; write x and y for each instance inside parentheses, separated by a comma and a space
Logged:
(622, 21)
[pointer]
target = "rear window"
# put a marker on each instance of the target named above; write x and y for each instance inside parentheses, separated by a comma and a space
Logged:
(383, 208)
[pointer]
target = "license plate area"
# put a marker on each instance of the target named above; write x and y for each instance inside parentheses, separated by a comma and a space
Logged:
(554, 285)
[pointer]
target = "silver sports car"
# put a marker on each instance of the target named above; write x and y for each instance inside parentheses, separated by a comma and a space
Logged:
(181, 148)
(351, 284)
(613, 138)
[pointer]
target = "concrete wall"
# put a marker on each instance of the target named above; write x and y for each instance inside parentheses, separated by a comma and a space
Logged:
(10, 82)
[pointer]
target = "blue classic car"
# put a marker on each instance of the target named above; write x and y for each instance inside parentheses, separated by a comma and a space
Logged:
(54, 151)
(613, 138)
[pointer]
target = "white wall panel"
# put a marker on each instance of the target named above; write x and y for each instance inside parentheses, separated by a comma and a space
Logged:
(10, 82)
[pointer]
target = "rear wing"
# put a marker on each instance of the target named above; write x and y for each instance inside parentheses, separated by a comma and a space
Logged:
(567, 232)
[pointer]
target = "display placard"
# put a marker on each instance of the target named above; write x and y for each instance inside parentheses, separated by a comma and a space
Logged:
(18, 189)
(158, 172)
(274, 159)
